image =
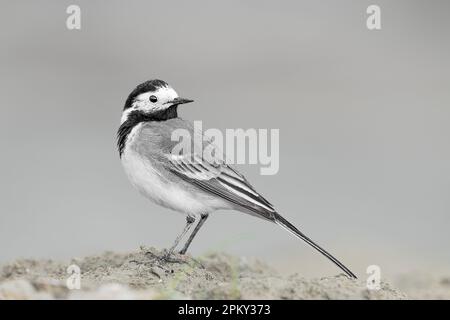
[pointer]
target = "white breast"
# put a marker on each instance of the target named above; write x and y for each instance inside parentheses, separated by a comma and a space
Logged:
(153, 185)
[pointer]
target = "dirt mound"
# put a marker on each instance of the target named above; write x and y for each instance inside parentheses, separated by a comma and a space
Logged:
(145, 275)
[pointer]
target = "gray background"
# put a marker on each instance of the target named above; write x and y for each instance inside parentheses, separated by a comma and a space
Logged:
(363, 118)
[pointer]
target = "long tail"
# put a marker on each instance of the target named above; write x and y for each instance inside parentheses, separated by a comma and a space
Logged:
(292, 229)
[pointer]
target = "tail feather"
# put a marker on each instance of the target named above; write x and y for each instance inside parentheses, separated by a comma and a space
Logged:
(292, 229)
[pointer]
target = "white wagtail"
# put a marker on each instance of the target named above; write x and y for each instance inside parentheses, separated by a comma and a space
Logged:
(195, 188)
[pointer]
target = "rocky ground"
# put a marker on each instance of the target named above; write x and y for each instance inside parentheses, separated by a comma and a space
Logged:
(144, 275)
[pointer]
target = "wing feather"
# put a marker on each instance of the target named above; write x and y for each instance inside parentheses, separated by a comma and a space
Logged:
(218, 178)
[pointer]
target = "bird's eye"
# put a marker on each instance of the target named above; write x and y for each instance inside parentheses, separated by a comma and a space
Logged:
(153, 99)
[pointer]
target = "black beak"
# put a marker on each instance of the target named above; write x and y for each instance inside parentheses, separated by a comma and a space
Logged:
(178, 101)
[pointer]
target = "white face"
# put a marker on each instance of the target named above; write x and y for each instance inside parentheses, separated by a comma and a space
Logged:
(150, 102)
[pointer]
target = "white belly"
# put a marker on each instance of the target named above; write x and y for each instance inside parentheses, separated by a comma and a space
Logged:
(155, 187)
(151, 183)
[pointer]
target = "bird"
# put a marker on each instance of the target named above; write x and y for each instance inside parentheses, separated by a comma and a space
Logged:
(189, 183)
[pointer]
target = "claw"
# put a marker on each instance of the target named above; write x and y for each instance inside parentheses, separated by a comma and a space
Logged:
(169, 257)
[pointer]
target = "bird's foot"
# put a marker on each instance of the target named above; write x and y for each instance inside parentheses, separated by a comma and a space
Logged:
(170, 257)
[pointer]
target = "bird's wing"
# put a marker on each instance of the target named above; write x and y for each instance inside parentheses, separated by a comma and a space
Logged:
(216, 177)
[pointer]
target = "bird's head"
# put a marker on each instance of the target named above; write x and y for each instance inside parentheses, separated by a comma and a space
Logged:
(151, 98)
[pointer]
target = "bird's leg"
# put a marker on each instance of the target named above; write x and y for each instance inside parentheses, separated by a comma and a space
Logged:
(202, 220)
(189, 221)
